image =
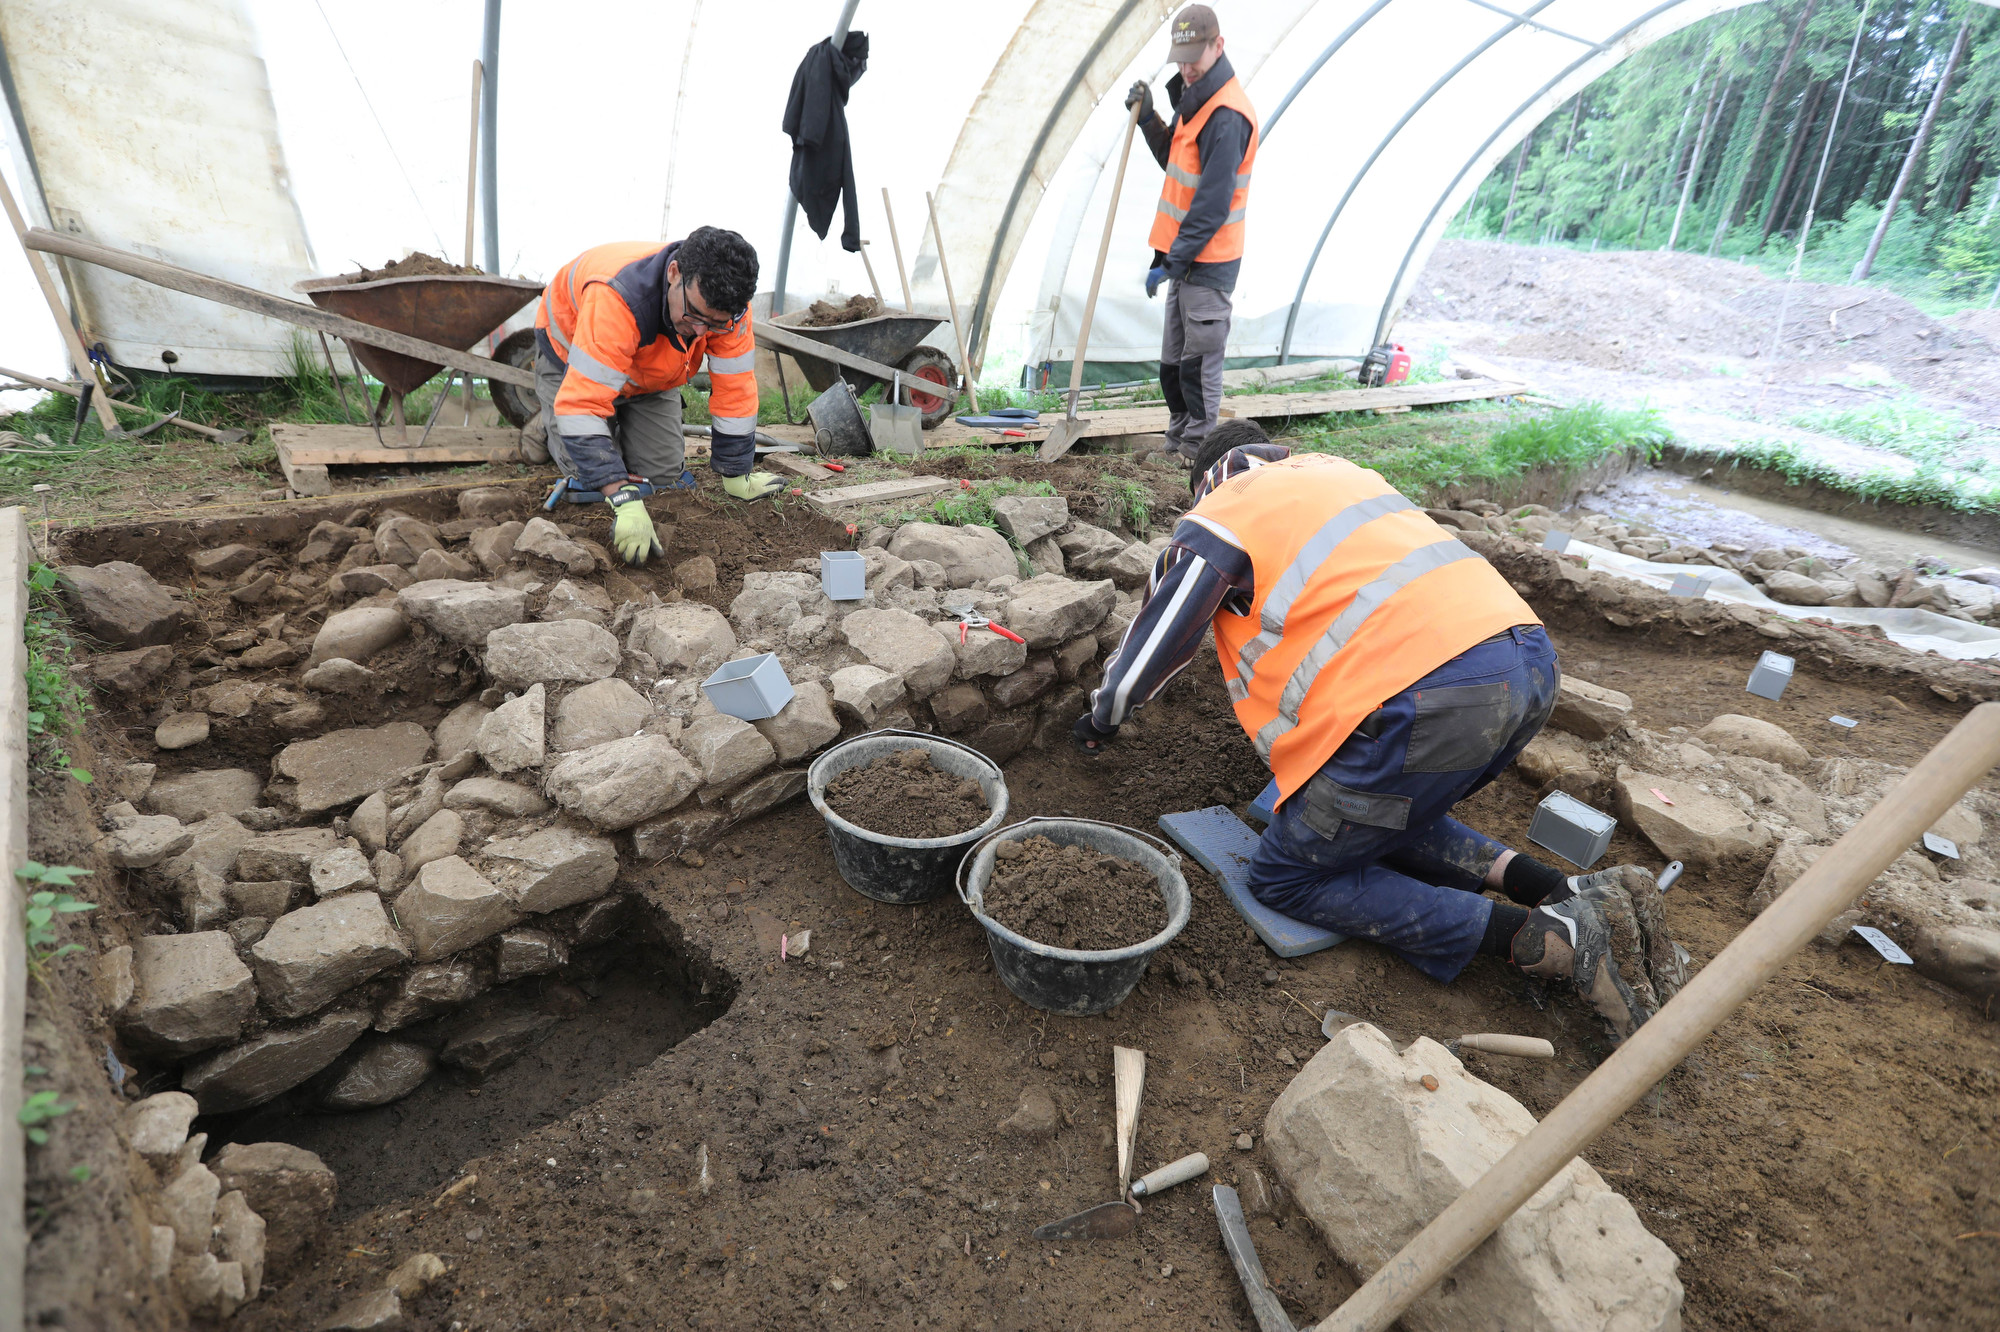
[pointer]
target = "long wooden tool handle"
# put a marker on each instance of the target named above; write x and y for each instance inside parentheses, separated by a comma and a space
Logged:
(1103, 249)
(1825, 890)
(72, 341)
(902, 273)
(957, 329)
(175, 278)
(1170, 1174)
(1521, 1047)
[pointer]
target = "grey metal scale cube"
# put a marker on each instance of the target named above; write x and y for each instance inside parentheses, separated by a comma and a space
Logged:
(1573, 830)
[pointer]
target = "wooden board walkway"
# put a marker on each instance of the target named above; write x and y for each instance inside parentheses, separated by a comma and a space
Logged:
(1152, 419)
(306, 451)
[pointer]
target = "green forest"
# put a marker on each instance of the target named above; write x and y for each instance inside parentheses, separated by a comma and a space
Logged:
(1742, 132)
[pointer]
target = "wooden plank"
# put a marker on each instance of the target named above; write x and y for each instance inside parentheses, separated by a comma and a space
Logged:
(357, 445)
(797, 466)
(306, 479)
(175, 278)
(72, 340)
(880, 492)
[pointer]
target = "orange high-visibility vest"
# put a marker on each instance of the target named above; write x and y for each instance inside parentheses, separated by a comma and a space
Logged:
(604, 314)
(1358, 596)
(1184, 173)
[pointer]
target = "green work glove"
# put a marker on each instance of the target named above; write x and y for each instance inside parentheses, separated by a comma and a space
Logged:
(756, 485)
(632, 534)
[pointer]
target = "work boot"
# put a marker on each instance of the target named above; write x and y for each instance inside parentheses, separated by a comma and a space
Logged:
(1568, 938)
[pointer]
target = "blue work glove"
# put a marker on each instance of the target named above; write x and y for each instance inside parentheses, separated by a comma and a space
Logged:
(1089, 737)
(1154, 277)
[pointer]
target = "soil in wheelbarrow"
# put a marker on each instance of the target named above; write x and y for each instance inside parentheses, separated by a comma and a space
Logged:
(414, 265)
(825, 314)
(1073, 896)
(904, 795)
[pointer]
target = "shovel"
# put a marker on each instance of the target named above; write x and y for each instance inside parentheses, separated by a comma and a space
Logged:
(1068, 430)
(894, 427)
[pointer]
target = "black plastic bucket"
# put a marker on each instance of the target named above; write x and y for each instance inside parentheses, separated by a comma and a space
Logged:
(1077, 982)
(903, 869)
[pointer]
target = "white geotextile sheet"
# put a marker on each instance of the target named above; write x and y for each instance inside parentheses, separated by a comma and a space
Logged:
(1917, 630)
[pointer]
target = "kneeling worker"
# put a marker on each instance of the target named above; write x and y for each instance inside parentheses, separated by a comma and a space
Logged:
(619, 330)
(1385, 672)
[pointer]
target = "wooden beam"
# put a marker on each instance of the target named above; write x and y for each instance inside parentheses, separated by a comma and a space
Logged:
(797, 466)
(775, 338)
(175, 278)
(880, 492)
(55, 386)
(79, 358)
(356, 445)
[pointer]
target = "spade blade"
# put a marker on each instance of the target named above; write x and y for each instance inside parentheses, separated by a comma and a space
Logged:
(1112, 1220)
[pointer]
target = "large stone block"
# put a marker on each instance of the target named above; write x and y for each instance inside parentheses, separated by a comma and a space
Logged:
(544, 540)
(1025, 685)
(341, 767)
(290, 1187)
(141, 841)
(969, 554)
(493, 547)
(191, 992)
(1049, 610)
(402, 540)
(1028, 518)
(464, 613)
(263, 1066)
(460, 728)
(726, 749)
(982, 652)
(357, 634)
(187, 1204)
(383, 1071)
(595, 713)
(430, 989)
(1965, 957)
(1688, 824)
(803, 725)
(617, 784)
(684, 638)
(435, 838)
(449, 906)
(120, 604)
(902, 644)
(553, 868)
(514, 735)
(863, 691)
(239, 1238)
(312, 955)
(1371, 1154)
(507, 799)
(1755, 738)
(1587, 710)
(194, 796)
(1088, 551)
(572, 651)
(286, 854)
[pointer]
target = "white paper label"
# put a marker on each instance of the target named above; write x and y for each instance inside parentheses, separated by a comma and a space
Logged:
(1884, 945)
(1848, 722)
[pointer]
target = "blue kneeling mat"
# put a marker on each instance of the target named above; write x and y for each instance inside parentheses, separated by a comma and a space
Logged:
(1223, 844)
(1265, 807)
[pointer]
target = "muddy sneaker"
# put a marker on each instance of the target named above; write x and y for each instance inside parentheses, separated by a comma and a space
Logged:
(1568, 938)
(1640, 945)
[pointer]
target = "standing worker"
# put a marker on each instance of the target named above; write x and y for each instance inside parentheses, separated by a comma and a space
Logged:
(1385, 672)
(1208, 151)
(618, 332)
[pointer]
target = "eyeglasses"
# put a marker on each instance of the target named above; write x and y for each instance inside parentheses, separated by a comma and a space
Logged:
(689, 313)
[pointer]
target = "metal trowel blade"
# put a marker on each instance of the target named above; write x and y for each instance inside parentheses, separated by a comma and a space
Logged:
(1335, 1020)
(1112, 1220)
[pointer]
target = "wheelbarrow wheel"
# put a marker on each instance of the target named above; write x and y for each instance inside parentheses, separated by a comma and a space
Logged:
(931, 364)
(517, 405)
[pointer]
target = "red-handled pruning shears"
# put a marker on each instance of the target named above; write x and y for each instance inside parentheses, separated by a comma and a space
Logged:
(967, 620)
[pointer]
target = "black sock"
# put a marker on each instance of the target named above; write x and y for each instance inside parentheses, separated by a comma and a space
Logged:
(1529, 881)
(1501, 927)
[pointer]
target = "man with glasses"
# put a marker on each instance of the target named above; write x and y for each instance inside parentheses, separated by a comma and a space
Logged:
(618, 332)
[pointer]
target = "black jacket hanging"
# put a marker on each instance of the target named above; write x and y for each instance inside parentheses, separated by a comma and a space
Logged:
(816, 119)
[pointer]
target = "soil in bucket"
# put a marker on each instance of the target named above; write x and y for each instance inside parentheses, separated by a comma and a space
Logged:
(903, 795)
(1073, 896)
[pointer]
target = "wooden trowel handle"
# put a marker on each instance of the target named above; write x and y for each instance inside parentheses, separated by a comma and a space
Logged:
(1521, 1047)
(1170, 1174)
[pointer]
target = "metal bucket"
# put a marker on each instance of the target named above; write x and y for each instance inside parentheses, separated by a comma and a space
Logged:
(1076, 982)
(837, 423)
(903, 869)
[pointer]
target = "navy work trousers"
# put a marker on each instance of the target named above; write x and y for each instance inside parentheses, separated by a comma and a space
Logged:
(1368, 847)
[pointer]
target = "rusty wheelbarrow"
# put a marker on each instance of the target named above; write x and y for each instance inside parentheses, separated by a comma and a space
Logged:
(869, 352)
(453, 310)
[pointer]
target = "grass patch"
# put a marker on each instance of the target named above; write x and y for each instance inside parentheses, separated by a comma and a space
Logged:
(1423, 452)
(56, 702)
(1925, 484)
(973, 507)
(1127, 503)
(1908, 427)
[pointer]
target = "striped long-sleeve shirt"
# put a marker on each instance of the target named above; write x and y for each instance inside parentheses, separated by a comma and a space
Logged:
(1204, 570)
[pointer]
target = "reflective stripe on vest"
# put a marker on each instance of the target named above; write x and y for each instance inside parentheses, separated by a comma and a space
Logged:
(1356, 596)
(1184, 175)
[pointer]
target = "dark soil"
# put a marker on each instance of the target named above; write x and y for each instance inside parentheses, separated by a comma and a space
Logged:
(1815, 1163)
(1072, 896)
(902, 795)
(825, 314)
(415, 265)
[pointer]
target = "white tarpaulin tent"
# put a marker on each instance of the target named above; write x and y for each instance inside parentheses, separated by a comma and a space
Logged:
(1380, 118)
